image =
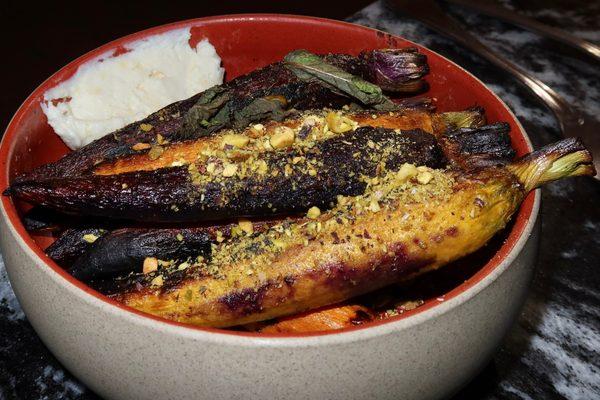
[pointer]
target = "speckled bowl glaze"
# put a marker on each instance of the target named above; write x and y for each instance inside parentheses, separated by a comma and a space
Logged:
(427, 353)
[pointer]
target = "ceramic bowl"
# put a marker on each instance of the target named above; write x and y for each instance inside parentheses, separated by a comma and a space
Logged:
(427, 353)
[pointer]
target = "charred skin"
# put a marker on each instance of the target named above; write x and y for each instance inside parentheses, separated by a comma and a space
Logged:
(274, 80)
(342, 261)
(122, 251)
(71, 244)
(312, 122)
(330, 168)
(419, 225)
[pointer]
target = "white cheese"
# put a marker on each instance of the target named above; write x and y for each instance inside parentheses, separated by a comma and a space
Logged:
(109, 92)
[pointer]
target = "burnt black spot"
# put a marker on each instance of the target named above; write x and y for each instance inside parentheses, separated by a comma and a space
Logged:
(484, 146)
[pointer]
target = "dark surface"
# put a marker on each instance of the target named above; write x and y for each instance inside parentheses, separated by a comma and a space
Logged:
(40, 38)
(553, 352)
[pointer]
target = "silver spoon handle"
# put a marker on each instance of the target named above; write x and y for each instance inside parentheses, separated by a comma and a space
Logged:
(560, 35)
(430, 13)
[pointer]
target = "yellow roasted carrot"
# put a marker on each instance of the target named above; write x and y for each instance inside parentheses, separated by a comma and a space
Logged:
(407, 222)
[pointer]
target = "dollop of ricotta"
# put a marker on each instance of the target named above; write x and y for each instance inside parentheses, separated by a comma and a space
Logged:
(112, 91)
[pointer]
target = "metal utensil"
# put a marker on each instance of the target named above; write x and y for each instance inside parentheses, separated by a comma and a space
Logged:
(498, 11)
(573, 122)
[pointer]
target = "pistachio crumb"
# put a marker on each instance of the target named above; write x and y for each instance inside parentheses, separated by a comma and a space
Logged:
(235, 140)
(283, 137)
(146, 127)
(157, 282)
(246, 226)
(407, 171)
(210, 167)
(374, 206)
(338, 123)
(183, 265)
(150, 265)
(258, 128)
(229, 170)
(141, 146)
(424, 177)
(90, 237)
(155, 152)
(313, 212)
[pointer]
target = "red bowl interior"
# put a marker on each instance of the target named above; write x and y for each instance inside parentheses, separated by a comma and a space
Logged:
(244, 43)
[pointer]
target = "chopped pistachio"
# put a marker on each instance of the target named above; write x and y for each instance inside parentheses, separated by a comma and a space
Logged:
(258, 128)
(424, 177)
(261, 167)
(313, 212)
(246, 226)
(407, 171)
(157, 282)
(374, 206)
(229, 170)
(341, 200)
(287, 170)
(141, 146)
(179, 237)
(150, 265)
(283, 137)
(90, 238)
(165, 263)
(155, 152)
(338, 123)
(234, 140)
(146, 127)
(183, 266)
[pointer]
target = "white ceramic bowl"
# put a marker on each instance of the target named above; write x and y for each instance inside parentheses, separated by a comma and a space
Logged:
(120, 353)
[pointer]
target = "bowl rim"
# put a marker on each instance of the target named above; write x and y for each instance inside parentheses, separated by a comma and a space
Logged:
(518, 236)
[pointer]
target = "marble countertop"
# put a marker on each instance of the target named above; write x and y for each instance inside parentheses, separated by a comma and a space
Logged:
(553, 351)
